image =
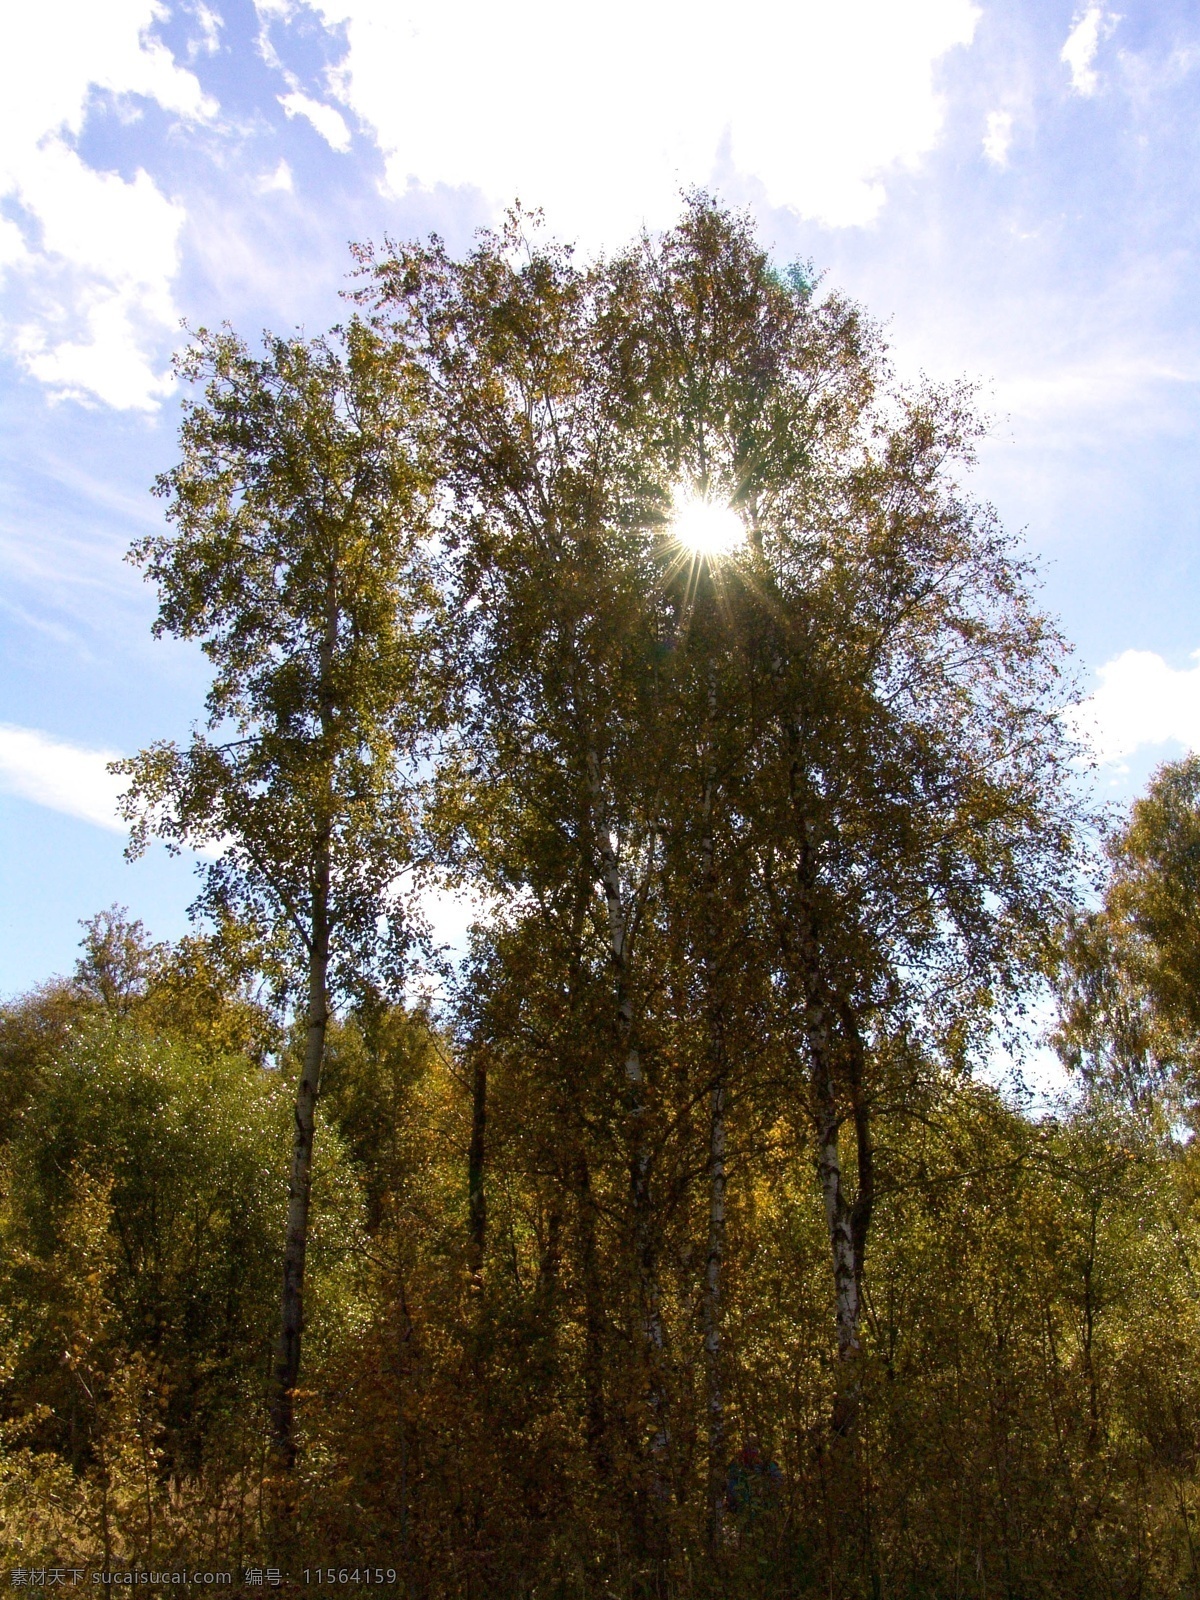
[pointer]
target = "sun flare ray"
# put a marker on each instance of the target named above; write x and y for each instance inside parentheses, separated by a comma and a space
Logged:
(706, 527)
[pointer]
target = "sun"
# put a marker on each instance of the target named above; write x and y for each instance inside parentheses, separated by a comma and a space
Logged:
(708, 528)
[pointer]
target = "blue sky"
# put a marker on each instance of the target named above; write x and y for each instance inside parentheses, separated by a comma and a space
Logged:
(1011, 188)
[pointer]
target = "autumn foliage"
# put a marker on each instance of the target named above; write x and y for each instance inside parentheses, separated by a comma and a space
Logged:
(670, 1237)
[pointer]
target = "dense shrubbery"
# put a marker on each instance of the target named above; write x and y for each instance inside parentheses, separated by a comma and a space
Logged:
(1032, 1336)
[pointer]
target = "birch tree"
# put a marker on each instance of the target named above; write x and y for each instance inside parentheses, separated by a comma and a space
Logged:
(1128, 998)
(903, 782)
(912, 792)
(523, 354)
(295, 557)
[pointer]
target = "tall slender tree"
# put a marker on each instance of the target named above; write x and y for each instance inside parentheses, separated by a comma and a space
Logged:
(1129, 1001)
(902, 785)
(522, 352)
(295, 556)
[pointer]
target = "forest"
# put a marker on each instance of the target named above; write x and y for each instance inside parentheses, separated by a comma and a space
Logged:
(672, 1237)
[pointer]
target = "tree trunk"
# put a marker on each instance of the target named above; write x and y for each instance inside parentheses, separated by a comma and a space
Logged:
(864, 1199)
(291, 1328)
(843, 1459)
(715, 1398)
(712, 1309)
(644, 1244)
(827, 1126)
(476, 1194)
(550, 1264)
(847, 1221)
(595, 1420)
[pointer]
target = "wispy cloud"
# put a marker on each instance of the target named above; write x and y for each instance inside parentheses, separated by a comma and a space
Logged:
(279, 181)
(1110, 381)
(327, 120)
(64, 777)
(1089, 28)
(997, 137)
(210, 24)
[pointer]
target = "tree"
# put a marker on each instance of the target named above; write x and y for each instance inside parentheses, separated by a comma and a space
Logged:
(297, 559)
(688, 1255)
(178, 1142)
(814, 787)
(1129, 999)
(215, 987)
(522, 354)
(117, 962)
(902, 783)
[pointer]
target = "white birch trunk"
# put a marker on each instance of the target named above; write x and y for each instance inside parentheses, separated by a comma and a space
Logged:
(712, 1306)
(295, 1247)
(714, 1261)
(635, 1083)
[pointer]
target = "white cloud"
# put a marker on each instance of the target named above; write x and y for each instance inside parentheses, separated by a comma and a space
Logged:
(328, 122)
(1079, 52)
(90, 291)
(997, 138)
(12, 244)
(1089, 390)
(279, 180)
(75, 780)
(1141, 701)
(602, 114)
(60, 776)
(210, 31)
